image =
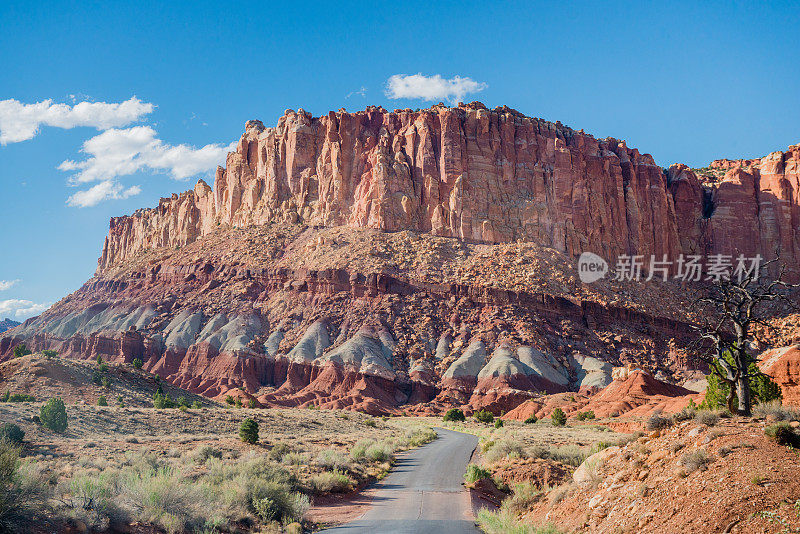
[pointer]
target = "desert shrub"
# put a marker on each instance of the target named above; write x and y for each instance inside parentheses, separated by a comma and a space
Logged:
(161, 401)
(274, 501)
(182, 402)
(558, 417)
(531, 420)
(524, 497)
(498, 423)
(102, 401)
(137, 363)
(506, 522)
(278, 451)
(692, 461)
(99, 360)
(248, 431)
(568, 454)
(296, 458)
(484, 417)
(379, 452)
(22, 491)
(97, 377)
(205, 452)
(658, 422)
(229, 400)
(252, 403)
(197, 405)
(102, 367)
(53, 415)
(11, 433)
(370, 422)
(585, 416)
(50, 353)
(331, 482)
(238, 402)
(685, 414)
(105, 381)
(416, 437)
(706, 417)
(21, 350)
(775, 411)
(783, 434)
(454, 414)
(475, 473)
(19, 397)
(332, 459)
(359, 450)
(504, 448)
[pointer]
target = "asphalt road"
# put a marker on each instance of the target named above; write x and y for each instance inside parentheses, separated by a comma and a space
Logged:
(423, 493)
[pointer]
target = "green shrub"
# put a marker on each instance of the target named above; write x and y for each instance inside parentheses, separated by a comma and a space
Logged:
(105, 382)
(99, 360)
(475, 473)
(102, 367)
(484, 417)
(101, 401)
(332, 459)
(229, 400)
(22, 493)
(252, 403)
(182, 402)
(370, 423)
(6, 396)
(379, 452)
(161, 401)
(278, 451)
(206, 452)
(238, 402)
(12, 433)
(197, 405)
(97, 378)
(494, 451)
(783, 434)
(498, 423)
(558, 417)
(137, 363)
(762, 388)
(454, 414)
(21, 350)
(531, 420)
(50, 353)
(248, 431)
(507, 522)
(53, 415)
(588, 415)
(19, 397)
(331, 482)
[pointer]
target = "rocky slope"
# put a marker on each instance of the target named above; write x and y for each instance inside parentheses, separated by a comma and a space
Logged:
(7, 324)
(413, 261)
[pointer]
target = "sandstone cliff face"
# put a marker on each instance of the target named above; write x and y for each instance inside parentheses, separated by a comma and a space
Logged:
(466, 172)
(486, 175)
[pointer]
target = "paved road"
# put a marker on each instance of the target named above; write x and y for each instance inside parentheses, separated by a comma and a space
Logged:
(423, 493)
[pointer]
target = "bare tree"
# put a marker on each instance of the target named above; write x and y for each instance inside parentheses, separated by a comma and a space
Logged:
(741, 303)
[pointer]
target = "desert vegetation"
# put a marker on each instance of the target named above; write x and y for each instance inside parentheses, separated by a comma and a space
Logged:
(197, 470)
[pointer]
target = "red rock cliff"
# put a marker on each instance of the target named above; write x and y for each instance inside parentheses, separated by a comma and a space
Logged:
(479, 174)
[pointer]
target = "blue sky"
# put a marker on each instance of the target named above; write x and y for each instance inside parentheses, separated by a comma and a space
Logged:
(688, 82)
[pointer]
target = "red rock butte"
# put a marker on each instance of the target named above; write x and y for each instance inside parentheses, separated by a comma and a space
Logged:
(417, 260)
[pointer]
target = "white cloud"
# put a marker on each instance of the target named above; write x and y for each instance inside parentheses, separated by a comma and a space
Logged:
(362, 92)
(431, 87)
(106, 190)
(8, 284)
(122, 152)
(20, 122)
(21, 309)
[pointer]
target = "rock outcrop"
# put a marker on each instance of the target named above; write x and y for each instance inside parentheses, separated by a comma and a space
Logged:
(783, 366)
(473, 173)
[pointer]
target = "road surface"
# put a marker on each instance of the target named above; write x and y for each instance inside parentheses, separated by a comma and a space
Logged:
(423, 493)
